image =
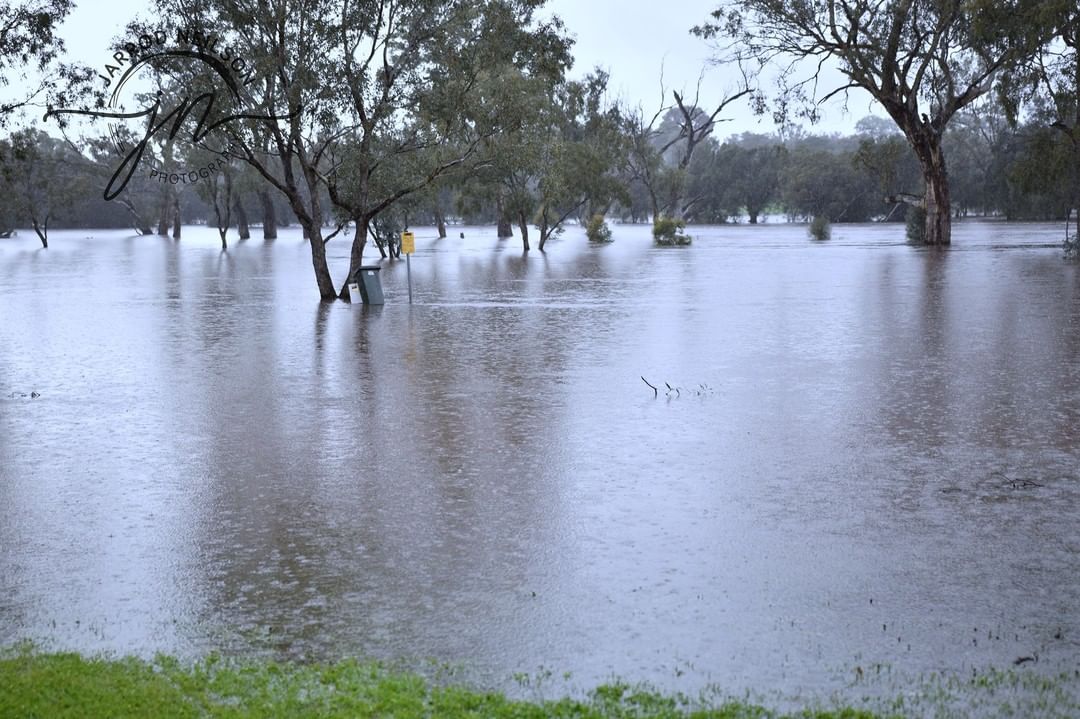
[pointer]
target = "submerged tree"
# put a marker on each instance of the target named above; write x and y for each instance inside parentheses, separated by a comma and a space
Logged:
(42, 179)
(923, 60)
(660, 153)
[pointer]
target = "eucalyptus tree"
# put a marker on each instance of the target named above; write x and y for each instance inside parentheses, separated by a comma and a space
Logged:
(583, 163)
(662, 146)
(1053, 78)
(29, 44)
(369, 100)
(562, 158)
(922, 60)
(752, 175)
(423, 93)
(44, 179)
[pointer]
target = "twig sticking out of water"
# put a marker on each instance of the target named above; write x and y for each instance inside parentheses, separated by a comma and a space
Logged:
(1018, 483)
(700, 390)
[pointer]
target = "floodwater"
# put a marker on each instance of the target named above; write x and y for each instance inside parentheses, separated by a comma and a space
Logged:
(873, 456)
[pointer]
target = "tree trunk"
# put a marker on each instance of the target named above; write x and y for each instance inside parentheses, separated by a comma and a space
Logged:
(169, 201)
(753, 217)
(440, 223)
(42, 232)
(938, 217)
(311, 219)
(545, 230)
(523, 225)
(318, 261)
(223, 197)
(356, 256)
(242, 229)
(140, 225)
(925, 141)
(163, 214)
(503, 227)
(176, 217)
(269, 219)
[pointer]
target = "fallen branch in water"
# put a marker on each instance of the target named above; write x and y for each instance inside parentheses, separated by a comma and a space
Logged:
(701, 389)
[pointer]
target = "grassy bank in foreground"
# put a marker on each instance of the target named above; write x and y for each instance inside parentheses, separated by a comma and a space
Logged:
(68, 685)
(34, 684)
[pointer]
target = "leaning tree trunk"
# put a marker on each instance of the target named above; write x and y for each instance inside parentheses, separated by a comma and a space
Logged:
(545, 235)
(140, 225)
(523, 225)
(42, 231)
(269, 219)
(356, 256)
(310, 219)
(242, 229)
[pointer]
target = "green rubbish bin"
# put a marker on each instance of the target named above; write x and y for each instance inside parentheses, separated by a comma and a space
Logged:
(367, 278)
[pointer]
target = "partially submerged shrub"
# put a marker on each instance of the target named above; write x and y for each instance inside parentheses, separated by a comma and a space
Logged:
(916, 225)
(820, 229)
(669, 231)
(597, 230)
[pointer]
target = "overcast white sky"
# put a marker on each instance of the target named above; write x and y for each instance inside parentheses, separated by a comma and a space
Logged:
(630, 39)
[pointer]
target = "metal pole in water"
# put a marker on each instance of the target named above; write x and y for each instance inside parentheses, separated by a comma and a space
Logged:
(408, 246)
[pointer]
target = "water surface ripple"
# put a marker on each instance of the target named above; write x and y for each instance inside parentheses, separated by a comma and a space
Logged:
(882, 465)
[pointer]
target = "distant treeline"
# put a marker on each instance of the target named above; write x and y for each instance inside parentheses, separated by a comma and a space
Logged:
(1017, 173)
(379, 115)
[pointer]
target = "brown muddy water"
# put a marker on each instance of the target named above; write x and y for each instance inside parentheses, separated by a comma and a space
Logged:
(873, 457)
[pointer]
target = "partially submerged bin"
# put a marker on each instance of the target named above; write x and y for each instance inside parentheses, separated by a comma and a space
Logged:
(366, 280)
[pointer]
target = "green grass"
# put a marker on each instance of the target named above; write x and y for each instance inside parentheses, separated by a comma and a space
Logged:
(35, 684)
(70, 685)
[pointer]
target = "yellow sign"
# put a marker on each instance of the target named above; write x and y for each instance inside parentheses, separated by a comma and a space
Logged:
(408, 243)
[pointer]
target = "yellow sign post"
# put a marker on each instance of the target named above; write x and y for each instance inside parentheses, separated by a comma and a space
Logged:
(408, 246)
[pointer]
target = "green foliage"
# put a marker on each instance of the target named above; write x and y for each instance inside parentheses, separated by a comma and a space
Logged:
(668, 231)
(597, 229)
(916, 224)
(820, 229)
(821, 182)
(42, 180)
(29, 41)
